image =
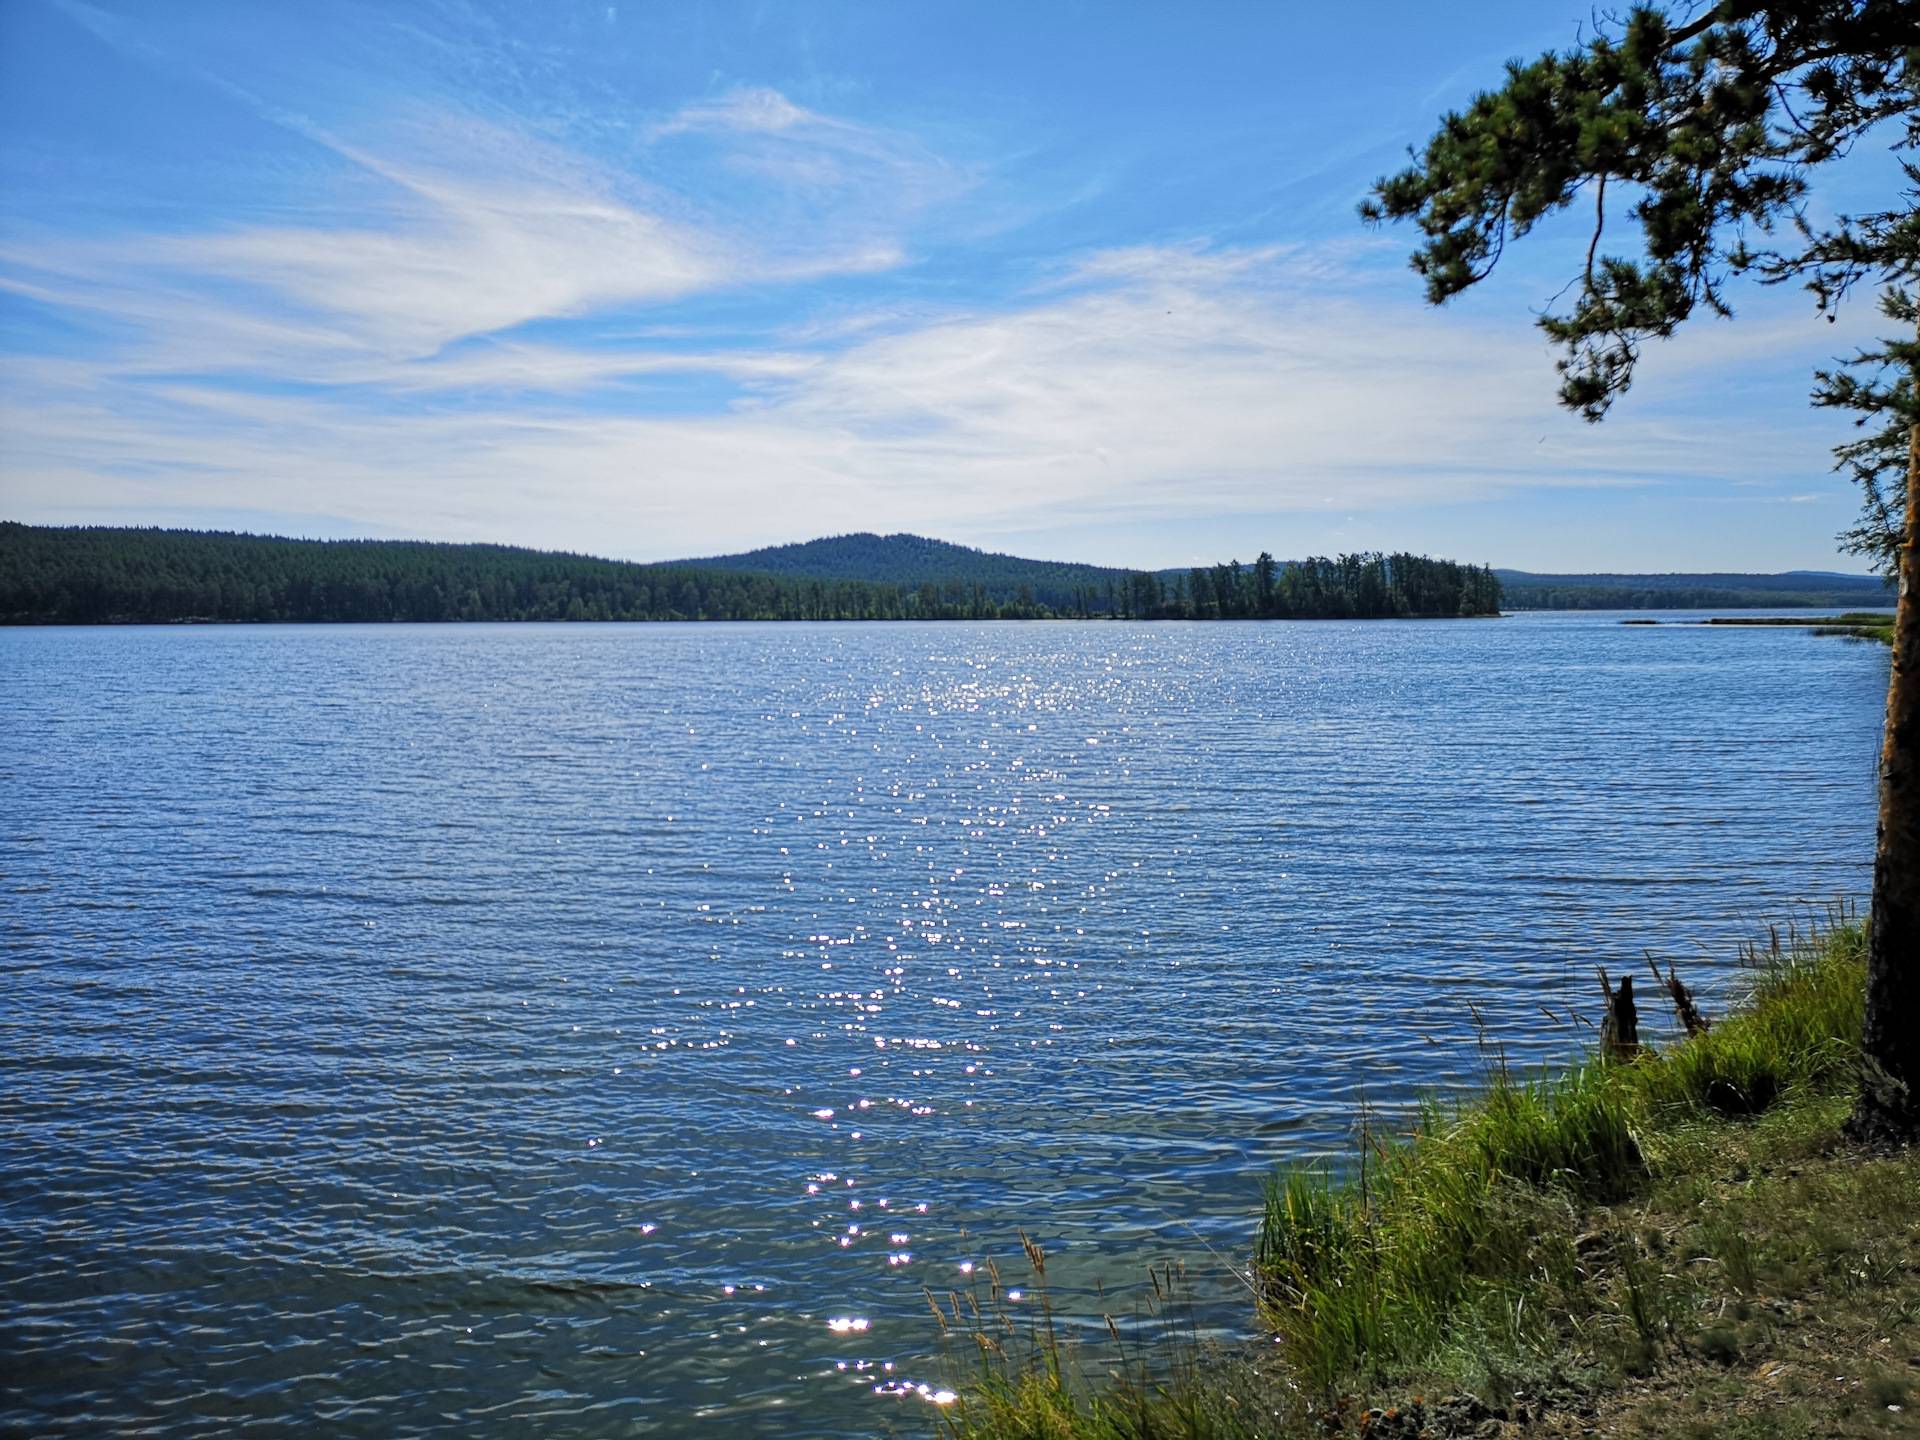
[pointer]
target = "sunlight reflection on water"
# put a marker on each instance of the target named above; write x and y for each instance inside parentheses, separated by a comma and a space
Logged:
(580, 1030)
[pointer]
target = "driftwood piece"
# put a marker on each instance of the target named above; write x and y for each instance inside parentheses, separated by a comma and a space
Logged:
(1690, 1017)
(1620, 1025)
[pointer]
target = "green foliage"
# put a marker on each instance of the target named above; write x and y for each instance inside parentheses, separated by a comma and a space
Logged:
(89, 575)
(1702, 133)
(1386, 1257)
(1361, 586)
(1030, 1406)
(1442, 1226)
(93, 576)
(1160, 1381)
(1878, 386)
(1801, 1033)
(913, 561)
(1366, 586)
(1535, 1248)
(1859, 626)
(1761, 1284)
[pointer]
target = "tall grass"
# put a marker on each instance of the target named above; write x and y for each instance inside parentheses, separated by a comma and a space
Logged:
(1463, 1231)
(1156, 1381)
(1441, 1227)
(1859, 625)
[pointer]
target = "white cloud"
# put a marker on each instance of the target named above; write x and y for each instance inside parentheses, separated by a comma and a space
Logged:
(478, 230)
(465, 258)
(1164, 384)
(377, 358)
(754, 109)
(815, 170)
(552, 368)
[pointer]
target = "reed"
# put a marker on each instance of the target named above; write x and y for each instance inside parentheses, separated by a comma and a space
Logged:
(1154, 1379)
(1459, 1244)
(1441, 1225)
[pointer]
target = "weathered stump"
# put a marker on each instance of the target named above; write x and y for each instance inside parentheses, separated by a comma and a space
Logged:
(1620, 1024)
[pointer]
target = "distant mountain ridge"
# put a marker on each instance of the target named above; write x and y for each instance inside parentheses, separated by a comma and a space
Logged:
(914, 560)
(1721, 590)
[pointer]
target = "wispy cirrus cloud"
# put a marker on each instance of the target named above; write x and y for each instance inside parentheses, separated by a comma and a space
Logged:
(426, 221)
(812, 169)
(751, 109)
(656, 285)
(480, 231)
(1153, 383)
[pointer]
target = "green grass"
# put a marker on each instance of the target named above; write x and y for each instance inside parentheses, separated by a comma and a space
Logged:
(1514, 1246)
(1854, 624)
(1859, 625)
(1442, 1227)
(1159, 1382)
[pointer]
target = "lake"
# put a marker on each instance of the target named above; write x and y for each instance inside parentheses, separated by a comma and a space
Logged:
(615, 1030)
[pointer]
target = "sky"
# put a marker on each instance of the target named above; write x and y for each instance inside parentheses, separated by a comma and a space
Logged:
(652, 280)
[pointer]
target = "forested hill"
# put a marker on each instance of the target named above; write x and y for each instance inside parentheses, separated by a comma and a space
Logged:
(88, 575)
(1526, 591)
(911, 561)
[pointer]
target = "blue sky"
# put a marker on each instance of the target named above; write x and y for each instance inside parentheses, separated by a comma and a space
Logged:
(654, 280)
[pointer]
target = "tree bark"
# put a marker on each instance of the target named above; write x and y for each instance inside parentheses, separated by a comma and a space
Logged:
(1620, 1022)
(1889, 1106)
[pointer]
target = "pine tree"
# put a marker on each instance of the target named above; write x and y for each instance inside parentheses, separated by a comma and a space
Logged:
(1699, 138)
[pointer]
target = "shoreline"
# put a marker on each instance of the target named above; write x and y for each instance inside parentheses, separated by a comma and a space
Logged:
(1670, 1245)
(1851, 624)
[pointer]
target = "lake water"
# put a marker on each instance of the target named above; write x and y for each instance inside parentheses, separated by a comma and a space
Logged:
(607, 1030)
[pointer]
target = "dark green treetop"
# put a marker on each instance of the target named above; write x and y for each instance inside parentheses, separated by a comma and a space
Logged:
(1697, 138)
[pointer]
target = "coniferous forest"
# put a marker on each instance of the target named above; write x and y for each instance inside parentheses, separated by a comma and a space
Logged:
(90, 575)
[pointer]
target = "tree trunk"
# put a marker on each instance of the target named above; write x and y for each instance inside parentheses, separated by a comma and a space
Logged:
(1620, 1023)
(1889, 1104)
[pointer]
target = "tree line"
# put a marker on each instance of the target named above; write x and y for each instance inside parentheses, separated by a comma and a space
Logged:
(1364, 586)
(95, 575)
(1521, 596)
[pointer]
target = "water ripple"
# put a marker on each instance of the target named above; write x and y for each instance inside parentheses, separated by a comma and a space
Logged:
(609, 1030)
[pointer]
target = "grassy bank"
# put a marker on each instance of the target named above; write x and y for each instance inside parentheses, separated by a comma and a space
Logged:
(1857, 624)
(1680, 1245)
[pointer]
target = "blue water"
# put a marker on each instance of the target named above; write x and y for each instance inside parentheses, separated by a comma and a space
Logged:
(605, 1030)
